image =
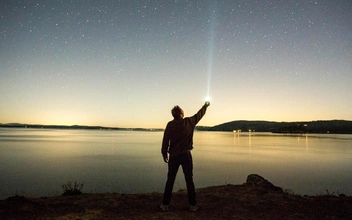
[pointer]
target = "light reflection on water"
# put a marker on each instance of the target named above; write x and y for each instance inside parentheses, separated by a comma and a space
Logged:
(38, 161)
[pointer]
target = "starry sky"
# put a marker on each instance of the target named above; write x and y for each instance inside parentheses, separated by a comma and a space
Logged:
(126, 63)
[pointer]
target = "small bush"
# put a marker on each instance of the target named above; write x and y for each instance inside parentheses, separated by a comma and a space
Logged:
(71, 190)
(328, 193)
(289, 192)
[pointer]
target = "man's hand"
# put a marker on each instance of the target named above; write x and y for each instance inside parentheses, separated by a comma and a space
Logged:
(166, 159)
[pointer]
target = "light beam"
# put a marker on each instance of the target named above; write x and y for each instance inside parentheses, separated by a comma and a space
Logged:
(212, 24)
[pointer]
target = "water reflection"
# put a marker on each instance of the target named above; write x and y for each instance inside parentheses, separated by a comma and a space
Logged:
(305, 163)
(250, 140)
(38, 162)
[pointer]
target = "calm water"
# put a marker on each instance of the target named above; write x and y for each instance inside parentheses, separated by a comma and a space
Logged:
(36, 162)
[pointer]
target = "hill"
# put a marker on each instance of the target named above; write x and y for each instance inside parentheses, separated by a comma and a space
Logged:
(322, 127)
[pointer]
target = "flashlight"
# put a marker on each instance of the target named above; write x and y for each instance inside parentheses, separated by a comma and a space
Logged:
(207, 100)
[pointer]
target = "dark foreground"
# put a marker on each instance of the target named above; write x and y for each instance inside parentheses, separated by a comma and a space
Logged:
(245, 201)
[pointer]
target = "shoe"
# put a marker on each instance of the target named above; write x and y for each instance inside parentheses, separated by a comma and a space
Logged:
(164, 207)
(194, 208)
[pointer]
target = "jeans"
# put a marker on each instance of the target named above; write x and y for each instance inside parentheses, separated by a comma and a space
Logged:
(185, 160)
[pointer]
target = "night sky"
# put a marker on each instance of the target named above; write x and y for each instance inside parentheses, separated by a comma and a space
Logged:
(127, 63)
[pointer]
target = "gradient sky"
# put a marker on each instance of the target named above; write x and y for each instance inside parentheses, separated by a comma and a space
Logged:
(127, 63)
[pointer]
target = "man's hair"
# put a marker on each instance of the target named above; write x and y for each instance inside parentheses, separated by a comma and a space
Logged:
(177, 112)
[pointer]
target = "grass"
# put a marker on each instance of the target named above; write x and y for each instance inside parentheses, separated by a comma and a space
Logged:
(72, 189)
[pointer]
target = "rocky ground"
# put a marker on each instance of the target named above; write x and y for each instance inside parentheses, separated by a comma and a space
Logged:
(255, 199)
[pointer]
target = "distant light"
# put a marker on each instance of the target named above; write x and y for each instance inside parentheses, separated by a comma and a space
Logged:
(207, 99)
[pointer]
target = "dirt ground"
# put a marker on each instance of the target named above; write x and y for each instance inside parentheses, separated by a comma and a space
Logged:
(218, 202)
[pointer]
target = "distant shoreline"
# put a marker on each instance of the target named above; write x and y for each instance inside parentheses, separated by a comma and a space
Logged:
(75, 127)
(302, 127)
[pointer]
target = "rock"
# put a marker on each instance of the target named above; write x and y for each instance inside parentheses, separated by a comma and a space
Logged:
(17, 199)
(18, 204)
(258, 181)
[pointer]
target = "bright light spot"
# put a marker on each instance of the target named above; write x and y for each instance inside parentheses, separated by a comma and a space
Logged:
(207, 99)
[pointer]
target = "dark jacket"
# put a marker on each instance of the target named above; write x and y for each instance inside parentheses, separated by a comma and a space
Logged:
(178, 134)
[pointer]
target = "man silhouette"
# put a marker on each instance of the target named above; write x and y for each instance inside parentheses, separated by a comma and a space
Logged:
(178, 143)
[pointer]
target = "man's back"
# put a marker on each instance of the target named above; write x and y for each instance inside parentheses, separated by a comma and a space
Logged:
(178, 135)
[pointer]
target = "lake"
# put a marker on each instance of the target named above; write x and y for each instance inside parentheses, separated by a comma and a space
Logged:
(37, 162)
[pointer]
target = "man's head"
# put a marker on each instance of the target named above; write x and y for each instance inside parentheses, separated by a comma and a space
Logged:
(177, 112)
